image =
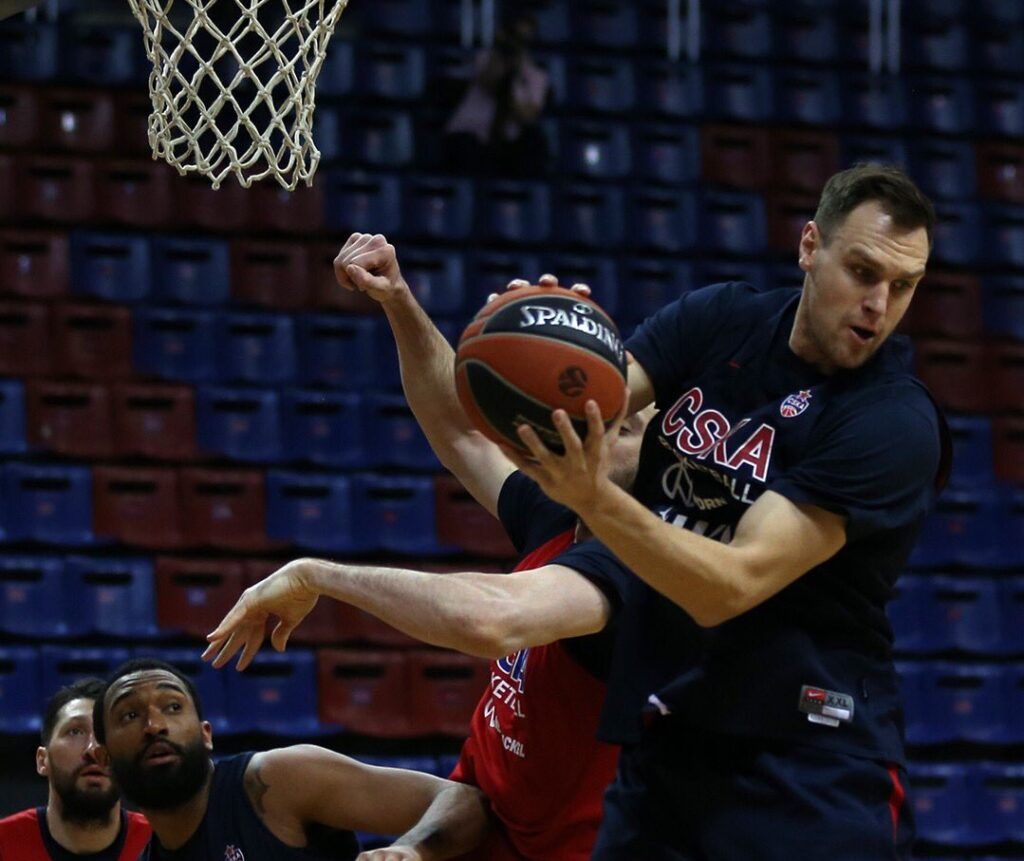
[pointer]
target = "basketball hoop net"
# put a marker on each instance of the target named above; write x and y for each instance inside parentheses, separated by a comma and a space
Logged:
(234, 85)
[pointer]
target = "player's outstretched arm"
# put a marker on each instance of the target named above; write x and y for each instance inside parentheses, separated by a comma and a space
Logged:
(486, 615)
(369, 263)
(294, 787)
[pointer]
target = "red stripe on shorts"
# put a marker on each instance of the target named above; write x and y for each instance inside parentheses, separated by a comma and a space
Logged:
(896, 799)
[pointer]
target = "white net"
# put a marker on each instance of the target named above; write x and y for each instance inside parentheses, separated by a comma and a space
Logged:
(234, 85)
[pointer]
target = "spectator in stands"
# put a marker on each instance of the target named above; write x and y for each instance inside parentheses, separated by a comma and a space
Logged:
(495, 127)
(83, 814)
(300, 802)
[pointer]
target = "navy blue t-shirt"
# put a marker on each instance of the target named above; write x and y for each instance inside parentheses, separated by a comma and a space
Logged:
(740, 413)
(233, 831)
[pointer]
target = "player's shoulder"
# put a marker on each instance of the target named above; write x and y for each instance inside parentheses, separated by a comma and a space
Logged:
(19, 828)
(136, 821)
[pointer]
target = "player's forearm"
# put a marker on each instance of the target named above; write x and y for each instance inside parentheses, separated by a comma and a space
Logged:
(427, 363)
(454, 824)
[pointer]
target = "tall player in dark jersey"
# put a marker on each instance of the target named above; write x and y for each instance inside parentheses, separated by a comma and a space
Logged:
(83, 817)
(778, 497)
(532, 746)
(298, 803)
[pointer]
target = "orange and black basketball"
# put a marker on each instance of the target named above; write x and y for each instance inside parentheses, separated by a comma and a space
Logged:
(535, 350)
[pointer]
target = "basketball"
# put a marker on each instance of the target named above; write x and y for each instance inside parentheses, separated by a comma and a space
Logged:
(535, 350)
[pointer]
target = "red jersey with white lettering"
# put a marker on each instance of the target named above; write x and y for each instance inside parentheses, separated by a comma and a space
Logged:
(533, 745)
(25, 836)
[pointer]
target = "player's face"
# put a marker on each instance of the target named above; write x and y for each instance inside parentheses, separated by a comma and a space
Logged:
(159, 749)
(77, 767)
(857, 287)
(625, 453)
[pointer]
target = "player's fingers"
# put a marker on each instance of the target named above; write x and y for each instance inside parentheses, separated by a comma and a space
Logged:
(517, 283)
(252, 645)
(353, 245)
(279, 636)
(595, 427)
(228, 650)
(374, 258)
(233, 618)
(541, 453)
(582, 289)
(548, 280)
(364, 280)
(570, 439)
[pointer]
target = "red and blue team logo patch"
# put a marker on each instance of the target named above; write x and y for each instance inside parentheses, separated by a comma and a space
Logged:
(793, 405)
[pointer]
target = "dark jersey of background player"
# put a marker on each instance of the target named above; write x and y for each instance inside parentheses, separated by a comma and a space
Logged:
(25, 836)
(231, 830)
(533, 745)
(741, 414)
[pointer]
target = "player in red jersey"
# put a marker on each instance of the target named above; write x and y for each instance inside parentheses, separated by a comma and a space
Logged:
(83, 815)
(532, 746)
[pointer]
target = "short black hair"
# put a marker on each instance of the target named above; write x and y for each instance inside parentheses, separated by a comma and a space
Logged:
(138, 665)
(84, 689)
(896, 192)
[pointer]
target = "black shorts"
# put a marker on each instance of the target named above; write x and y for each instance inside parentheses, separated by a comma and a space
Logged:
(683, 794)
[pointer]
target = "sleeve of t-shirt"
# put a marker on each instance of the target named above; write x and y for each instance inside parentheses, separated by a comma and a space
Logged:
(522, 506)
(669, 344)
(601, 567)
(874, 463)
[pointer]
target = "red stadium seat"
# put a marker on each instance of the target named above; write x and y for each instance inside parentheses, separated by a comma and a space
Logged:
(1008, 448)
(193, 595)
(464, 523)
(320, 626)
(444, 688)
(947, 304)
(270, 274)
(19, 116)
(1001, 171)
(92, 341)
(199, 205)
(282, 211)
(136, 506)
(24, 339)
(787, 215)
(70, 418)
(1008, 377)
(735, 155)
(365, 692)
(77, 120)
(33, 264)
(356, 626)
(802, 160)
(58, 189)
(135, 193)
(325, 290)
(9, 210)
(957, 373)
(155, 421)
(224, 509)
(131, 117)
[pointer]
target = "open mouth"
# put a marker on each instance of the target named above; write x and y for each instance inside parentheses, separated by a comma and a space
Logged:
(93, 771)
(160, 754)
(863, 335)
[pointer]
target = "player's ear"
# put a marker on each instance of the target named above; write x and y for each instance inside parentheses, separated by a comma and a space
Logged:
(42, 762)
(810, 242)
(207, 730)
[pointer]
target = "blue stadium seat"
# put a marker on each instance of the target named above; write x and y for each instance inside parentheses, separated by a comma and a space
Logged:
(597, 272)
(64, 665)
(807, 35)
(437, 279)
(21, 695)
(243, 424)
(648, 284)
(118, 596)
(663, 220)
(50, 504)
(963, 530)
(732, 221)
(439, 208)
(599, 84)
(941, 800)
(944, 105)
(807, 96)
(740, 31)
(672, 89)
(595, 150)
(552, 17)
(191, 271)
(962, 702)
(28, 51)
(876, 102)
(589, 216)
(176, 343)
(12, 420)
(605, 23)
(398, 511)
(938, 44)
(1010, 551)
(998, 809)
(1000, 107)
(1013, 679)
(102, 54)
(944, 168)
(514, 212)
(210, 683)
(739, 91)
(999, 11)
(336, 351)
(958, 232)
(972, 608)
(386, 71)
(1004, 234)
(376, 138)
(35, 598)
(667, 153)
(324, 428)
(313, 510)
(720, 271)
(557, 69)
(1003, 305)
(386, 365)
(904, 611)
(998, 49)
(110, 266)
(256, 348)
(327, 131)
(972, 451)
(490, 271)
(396, 17)
(276, 694)
(888, 150)
(394, 436)
(337, 76)
(358, 200)
(919, 728)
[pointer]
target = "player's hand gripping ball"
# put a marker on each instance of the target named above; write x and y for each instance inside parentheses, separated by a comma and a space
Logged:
(534, 350)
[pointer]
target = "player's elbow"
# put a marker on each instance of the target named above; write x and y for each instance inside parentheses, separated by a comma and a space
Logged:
(487, 632)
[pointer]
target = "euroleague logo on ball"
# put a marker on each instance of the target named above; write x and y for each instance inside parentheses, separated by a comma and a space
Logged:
(572, 382)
